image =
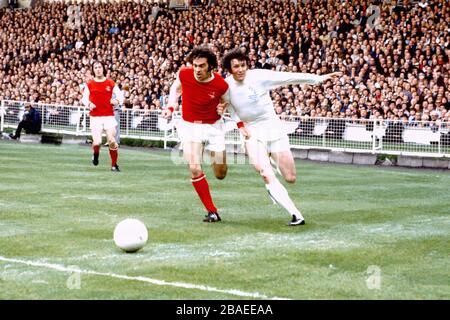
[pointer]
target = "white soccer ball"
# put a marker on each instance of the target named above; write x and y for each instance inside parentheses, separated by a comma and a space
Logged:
(130, 235)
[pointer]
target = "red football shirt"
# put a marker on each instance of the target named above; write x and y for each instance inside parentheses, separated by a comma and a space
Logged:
(100, 94)
(200, 99)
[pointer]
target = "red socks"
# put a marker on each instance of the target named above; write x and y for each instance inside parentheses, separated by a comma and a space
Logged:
(114, 155)
(201, 186)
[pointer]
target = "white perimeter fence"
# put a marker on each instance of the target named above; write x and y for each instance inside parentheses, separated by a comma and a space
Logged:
(425, 139)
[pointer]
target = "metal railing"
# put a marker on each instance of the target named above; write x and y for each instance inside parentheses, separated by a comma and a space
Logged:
(420, 138)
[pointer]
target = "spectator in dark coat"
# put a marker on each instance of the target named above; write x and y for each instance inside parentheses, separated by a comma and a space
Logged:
(31, 122)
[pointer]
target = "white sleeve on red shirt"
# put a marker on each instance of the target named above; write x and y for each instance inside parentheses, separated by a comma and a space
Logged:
(174, 93)
(86, 93)
(119, 94)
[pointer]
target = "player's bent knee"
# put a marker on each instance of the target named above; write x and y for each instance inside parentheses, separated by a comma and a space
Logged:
(195, 169)
(291, 178)
(113, 145)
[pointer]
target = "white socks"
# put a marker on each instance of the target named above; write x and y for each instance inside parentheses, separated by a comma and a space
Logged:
(270, 196)
(278, 193)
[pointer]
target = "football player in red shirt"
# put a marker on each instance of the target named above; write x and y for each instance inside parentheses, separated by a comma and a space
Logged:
(201, 127)
(98, 97)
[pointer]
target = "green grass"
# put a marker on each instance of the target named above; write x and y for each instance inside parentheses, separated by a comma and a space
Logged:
(57, 209)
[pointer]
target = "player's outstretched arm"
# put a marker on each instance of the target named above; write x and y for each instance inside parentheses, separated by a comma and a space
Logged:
(330, 76)
(273, 79)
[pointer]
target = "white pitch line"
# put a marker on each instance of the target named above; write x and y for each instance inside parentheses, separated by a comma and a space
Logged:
(62, 268)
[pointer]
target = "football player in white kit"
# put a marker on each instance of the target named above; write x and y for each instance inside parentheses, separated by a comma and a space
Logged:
(251, 106)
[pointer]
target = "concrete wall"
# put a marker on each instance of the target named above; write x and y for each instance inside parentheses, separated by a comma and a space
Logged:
(362, 158)
(369, 159)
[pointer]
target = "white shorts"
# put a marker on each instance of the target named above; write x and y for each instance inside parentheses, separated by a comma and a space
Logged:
(270, 134)
(103, 123)
(213, 135)
(279, 145)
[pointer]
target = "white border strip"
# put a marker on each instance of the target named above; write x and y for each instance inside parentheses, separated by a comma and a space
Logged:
(142, 279)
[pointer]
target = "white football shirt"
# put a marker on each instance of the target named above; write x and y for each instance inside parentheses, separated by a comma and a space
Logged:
(249, 101)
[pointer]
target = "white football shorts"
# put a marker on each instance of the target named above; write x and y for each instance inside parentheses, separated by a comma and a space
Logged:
(213, 135)
(270, 134)
(103, 123)
(279, 145)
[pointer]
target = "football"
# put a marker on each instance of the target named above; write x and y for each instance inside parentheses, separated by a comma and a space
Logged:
(130, 235)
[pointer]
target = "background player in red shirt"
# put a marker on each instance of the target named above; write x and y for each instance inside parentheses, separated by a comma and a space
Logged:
(97, 96)
(201, 127)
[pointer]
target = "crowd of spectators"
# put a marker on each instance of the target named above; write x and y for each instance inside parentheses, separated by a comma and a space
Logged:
(395, 67)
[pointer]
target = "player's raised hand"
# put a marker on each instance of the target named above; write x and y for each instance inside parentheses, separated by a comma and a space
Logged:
(332, 75)
(221, 108)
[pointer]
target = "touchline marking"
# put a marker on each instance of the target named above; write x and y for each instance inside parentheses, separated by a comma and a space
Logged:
(142, 279)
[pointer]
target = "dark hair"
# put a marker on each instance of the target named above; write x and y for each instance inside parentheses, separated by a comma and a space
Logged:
(234, 54)
(203, 52)
(103, 67)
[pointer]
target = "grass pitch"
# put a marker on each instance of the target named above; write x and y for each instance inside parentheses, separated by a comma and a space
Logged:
(371, 232)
